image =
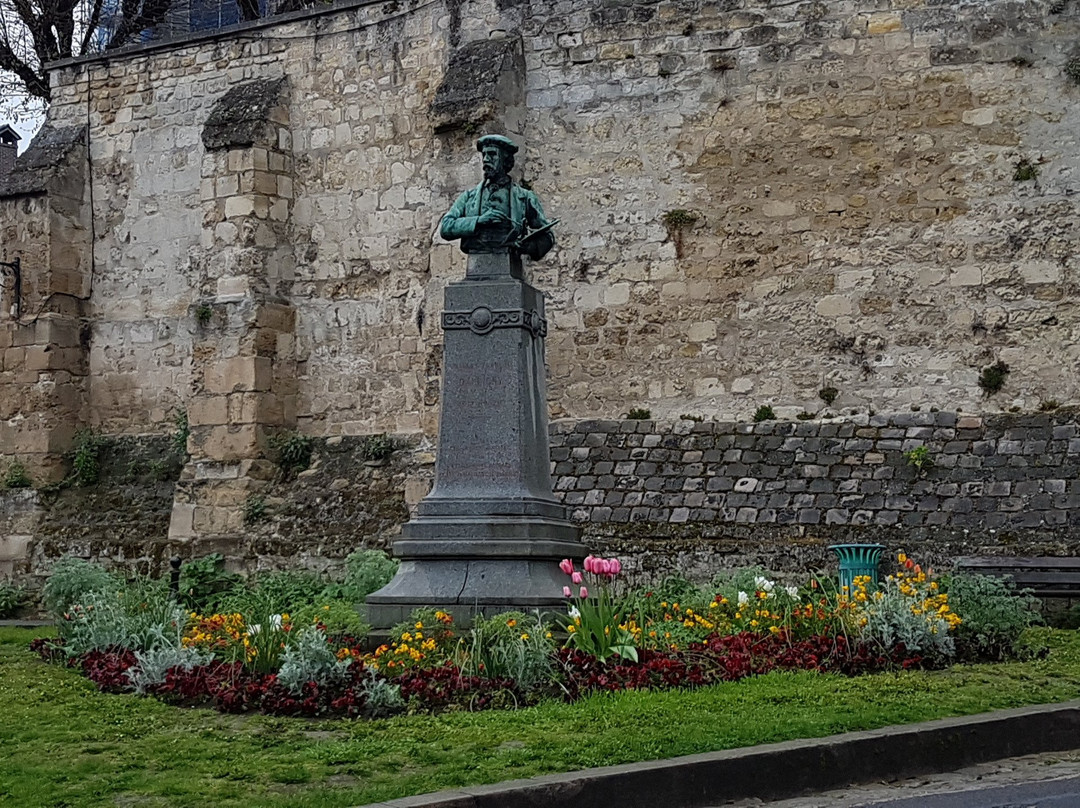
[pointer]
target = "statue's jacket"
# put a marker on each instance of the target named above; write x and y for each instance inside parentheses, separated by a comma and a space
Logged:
(525, 212)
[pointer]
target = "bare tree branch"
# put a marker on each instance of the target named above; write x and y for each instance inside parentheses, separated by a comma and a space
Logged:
(34, 33)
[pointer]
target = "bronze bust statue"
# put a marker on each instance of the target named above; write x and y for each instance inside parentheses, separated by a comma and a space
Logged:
(498, 215)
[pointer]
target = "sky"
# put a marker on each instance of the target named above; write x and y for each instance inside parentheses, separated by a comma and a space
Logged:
(19, 120)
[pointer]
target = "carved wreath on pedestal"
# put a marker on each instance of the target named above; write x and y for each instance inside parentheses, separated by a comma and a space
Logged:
(482, 320)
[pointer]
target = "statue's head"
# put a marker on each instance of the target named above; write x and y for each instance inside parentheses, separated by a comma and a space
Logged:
(498, 155)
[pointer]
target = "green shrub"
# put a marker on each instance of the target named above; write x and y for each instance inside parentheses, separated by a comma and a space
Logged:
(339, 618)
(204, 583)
(179, 437)
(828, 395)
(511, 645)
(366, 571)
(1072, 69)
(292, 452)
(376, 448)
(288, 590)
(764, 413)
(71, 580)
(1025, 171)
(993, 612)
(86, 457)
(17, 476)
(992, 378)
(254, 509)
(11, 598)
(919, 458)
(639, 414)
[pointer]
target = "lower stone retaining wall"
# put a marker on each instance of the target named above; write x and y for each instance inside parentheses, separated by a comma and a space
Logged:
(698, 496)
(692, 497)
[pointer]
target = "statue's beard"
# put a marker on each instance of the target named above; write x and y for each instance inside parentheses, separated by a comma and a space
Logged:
(493, 173)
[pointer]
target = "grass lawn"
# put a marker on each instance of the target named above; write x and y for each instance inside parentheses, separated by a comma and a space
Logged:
(66, 744)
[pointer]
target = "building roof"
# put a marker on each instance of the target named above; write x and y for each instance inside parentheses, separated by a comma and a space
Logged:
(8, 135)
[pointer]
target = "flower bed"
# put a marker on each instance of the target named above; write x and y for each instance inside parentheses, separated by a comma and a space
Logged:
(257, 658)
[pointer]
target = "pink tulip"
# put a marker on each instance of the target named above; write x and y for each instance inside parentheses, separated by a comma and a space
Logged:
(566, 565)
(589, 562)
(616, 566)
(584, 592)
(576, 577)
(566, 591)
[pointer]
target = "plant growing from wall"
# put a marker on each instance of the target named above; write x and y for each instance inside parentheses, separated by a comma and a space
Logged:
(254, 509)
(86, 457)
(828, 395)
(919, 458)
(203, 314)
(639, 414)
(764, 413)
(1026, 171)
(676, 221)
(377, 448)
(1049, 405)
(992, 378)
(292, 452)
(1072, 69)
(181, 431)
(11, 598)
(17, 476)
(203, 581)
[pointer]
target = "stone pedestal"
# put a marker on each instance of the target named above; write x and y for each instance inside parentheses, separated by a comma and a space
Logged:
(490, 534)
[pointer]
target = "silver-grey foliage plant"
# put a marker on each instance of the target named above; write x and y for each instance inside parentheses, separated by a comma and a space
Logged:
(104, 620)
(310, 659)
(151, 666)
(380, 697)
(71, 580)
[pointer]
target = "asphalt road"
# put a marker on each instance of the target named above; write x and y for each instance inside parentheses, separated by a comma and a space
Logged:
(1034, 781)
(1047, 794)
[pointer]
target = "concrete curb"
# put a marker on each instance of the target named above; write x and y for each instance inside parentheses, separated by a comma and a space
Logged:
(783, 770)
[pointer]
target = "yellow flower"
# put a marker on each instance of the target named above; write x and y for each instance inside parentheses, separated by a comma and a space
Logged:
(418, 625)
(524, 636)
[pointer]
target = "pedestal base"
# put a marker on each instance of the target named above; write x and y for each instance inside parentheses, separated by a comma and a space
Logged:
(490, 535)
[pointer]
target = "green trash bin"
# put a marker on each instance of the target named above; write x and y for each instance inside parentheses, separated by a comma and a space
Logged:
(856, 560)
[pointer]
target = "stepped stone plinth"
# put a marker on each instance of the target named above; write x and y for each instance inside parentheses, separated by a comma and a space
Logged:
(489, 536)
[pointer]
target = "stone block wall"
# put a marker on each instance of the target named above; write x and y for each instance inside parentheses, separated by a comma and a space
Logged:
(784, 490)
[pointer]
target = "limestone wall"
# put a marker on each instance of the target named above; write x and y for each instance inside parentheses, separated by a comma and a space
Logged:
(758, 201)
(848, 169)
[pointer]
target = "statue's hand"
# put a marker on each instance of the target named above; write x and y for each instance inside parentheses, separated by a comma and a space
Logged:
(492, 217)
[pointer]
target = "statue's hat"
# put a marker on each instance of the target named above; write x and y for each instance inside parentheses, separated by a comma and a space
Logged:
(503, 143)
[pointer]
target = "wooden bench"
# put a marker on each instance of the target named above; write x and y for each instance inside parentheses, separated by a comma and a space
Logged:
(1049, 577)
